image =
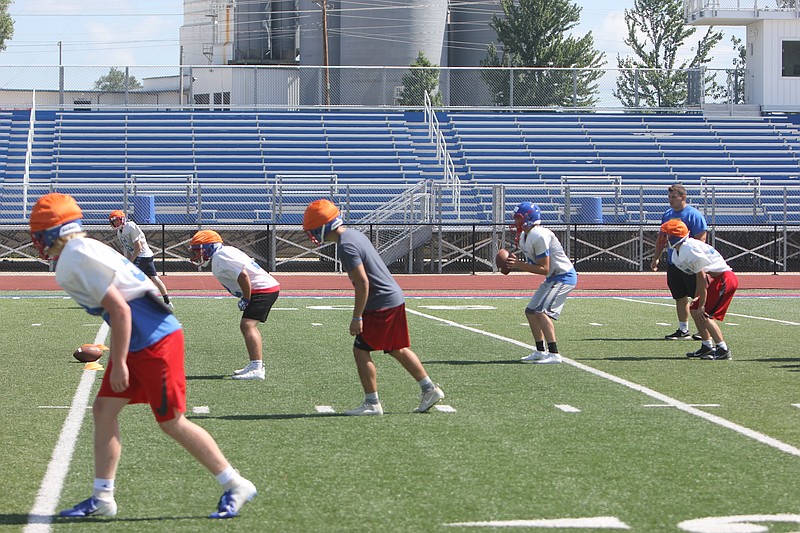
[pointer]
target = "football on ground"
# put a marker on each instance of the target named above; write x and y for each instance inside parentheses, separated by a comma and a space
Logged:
(88, 353)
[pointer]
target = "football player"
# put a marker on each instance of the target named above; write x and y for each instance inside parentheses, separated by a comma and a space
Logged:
(379, 312)
(716, 284)
(146, 363)
(244, 278)
(135, 248)
(542, 254)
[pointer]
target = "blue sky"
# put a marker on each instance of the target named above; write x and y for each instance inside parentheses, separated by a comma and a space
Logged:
(146, 32)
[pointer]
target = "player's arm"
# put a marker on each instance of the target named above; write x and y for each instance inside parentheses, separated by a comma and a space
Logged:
(358, 276)
(119, 317)
(244, 284)
(541, 266)
(137, 249)
(661, 243)
(701, 290)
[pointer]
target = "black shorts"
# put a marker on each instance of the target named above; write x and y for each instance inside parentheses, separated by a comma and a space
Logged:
(680, 283)
(146, 265)
(260, 306)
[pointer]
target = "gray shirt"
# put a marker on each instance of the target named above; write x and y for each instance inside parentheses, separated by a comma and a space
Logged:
(355, 249)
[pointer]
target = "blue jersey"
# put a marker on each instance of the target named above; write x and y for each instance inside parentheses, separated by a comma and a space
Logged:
(690, 216)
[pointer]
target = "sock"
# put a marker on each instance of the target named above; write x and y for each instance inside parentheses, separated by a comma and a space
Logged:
(256, 364)
(540, 345)
(103, 489)
(228, 477)
(722, 346)
(683, 326)
(372, 397)
(552, 348)
(708, 344)
(166, 298)
(426, 384)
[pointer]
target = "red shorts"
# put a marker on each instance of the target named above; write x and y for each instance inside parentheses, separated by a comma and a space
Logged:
(156, 377)
(719, 294)
(384, 329)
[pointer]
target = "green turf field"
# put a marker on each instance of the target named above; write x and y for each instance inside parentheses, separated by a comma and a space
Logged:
(627, 435)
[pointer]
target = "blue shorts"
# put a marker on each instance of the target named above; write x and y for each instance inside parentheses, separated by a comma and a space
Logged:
(146, 265)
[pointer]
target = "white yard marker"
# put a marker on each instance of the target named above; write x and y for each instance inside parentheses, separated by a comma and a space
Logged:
(445, 408)
(35, 325)
(325, 409)
(201, 410)
(568, 408)
(594, 324)
(594, 522)
(316, 324)
(682, 406)
(689, 404)
(796, 405)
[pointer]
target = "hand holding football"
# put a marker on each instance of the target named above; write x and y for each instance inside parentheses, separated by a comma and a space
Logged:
(501, 260)
(88, 353)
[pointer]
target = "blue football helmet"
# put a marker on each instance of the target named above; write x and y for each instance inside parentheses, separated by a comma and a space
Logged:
(526, 215)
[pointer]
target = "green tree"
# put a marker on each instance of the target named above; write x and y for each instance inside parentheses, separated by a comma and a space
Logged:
(6, 24)
(424, 78)
(115, 81)
(736, 75)
(656, 33)
(534, 33)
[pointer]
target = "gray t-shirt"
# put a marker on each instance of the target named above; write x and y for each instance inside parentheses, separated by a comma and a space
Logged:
(355, 249)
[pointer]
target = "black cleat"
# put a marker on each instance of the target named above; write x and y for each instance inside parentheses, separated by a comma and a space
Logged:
(718, 355)
(697, 337)
(704, 350)
(679, 334)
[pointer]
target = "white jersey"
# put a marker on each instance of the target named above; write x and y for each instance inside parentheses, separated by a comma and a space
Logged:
(128, 234)
(541, 242)
(695, 256)
(228, 262)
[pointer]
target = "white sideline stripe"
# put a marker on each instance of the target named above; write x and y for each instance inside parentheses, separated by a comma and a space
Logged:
(445, 408)
(595, 522)
(568, 408)
(325, 409)
(59, 406)
(714, 419)
(788, 323)
(796, 405)
(41, 516)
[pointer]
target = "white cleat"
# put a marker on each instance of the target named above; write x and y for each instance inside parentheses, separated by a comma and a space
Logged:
(549, 359)
(253, 373)
(366, 409)
(534, 357)
(429, 398)
(234, 498)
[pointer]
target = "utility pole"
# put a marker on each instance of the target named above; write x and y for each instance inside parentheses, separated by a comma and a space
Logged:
(327, 88)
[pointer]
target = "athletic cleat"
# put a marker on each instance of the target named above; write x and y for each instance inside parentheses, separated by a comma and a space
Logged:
(549, 359)
(697, 337)
(233, 499)
(429, 398)
(704, 350)
(91, 507)
(171, 306)
(679, 334)
(366, 409)
(718, 355)
(535, 356)
(253, 373)
(250, 366)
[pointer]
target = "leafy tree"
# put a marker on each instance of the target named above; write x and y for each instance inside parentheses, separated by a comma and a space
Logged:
(6, 24)
(656, 33)
(534, 33)
(419, 80)
(115, 81)
(736, 74)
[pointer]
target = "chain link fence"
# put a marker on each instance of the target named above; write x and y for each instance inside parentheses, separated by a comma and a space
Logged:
(216, 87)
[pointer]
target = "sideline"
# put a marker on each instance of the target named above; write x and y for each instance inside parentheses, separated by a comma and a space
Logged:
(44, 507)
(686, 408)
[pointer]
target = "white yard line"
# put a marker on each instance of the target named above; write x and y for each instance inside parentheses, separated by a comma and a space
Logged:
(788, 323)
(44, 507)
(685, 407)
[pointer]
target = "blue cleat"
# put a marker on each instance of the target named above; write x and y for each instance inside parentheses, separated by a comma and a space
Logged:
(91, 507)
(232, 500)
